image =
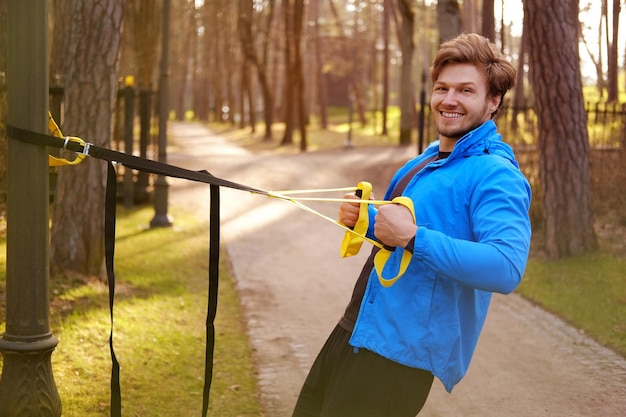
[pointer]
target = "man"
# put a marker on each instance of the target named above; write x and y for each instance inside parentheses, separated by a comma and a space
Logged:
(471, 238)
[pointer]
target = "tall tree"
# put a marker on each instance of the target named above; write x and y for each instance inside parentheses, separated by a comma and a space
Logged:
(563, 139)
(182, 52)
(320, 93)
(387, 13)
(596, 60)
(448, 19)
(295, 116)
(407, 100)
(489, 20)
(351, 55)
(470, 19)
(299, 12)
(288, 113)
(145, 17)
(519, 96)
(612, 55)
(85, 55)
(248, 21)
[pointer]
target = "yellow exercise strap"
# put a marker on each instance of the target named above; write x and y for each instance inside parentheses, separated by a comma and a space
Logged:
(353, 240)
(383, 255)
(55, 131)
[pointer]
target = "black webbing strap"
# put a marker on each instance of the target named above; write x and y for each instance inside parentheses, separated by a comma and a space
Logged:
(129, 161)
(214, 256)
(110, 209)
(158, 168)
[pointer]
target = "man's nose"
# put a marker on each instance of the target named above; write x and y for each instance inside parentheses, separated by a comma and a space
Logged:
(450, 98)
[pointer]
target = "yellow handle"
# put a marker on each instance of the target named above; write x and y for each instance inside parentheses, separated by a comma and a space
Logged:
(352, 242)
(383, 255)
(54, 161)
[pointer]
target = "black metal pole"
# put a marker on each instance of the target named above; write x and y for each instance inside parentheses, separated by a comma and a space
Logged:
(27, 386)
(129, 123)
(161, 217)
(422, 115)
(143, 178)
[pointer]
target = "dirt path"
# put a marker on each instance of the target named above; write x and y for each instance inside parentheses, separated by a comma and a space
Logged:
(294, 286)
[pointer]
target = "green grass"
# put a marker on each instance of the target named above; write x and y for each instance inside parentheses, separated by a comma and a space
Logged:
(159, 333)
(588, 291)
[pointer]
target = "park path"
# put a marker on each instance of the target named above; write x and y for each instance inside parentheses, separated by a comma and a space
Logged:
(294, 286)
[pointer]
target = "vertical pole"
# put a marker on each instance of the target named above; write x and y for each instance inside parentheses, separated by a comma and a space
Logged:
(161, 218)
(129, 123)
(143, 178)
(27, 386)
(422, 115)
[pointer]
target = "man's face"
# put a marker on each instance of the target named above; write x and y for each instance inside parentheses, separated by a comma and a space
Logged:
(460, 102)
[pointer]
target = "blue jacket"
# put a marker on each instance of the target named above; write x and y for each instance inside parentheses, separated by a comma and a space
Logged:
(473, 238)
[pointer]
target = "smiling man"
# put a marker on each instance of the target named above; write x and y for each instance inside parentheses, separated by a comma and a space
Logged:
(467, 237)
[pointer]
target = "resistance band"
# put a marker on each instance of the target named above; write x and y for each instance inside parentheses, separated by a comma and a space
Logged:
(351, 244)
(354, 237)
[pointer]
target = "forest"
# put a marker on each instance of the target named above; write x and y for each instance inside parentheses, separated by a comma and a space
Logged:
(263, 64)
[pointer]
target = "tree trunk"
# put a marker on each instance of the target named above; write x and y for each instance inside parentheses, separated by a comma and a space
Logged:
(489, 21)
(407, 107)
(563, 139)
(612, 55)
(388, 10)
(87, 35)
(289, 76)
(448, 19)
(470, 16)
(247, 38)
(519, 96)
(320, 76)
(299, 72)
(146, 24)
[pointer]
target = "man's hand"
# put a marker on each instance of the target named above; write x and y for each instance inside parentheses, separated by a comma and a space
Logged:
(349, 212)
(394, 225)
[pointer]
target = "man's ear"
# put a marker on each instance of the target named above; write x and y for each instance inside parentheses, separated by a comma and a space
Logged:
(495, 102)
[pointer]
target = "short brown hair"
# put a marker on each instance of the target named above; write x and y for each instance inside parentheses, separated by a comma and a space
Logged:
(477, 50)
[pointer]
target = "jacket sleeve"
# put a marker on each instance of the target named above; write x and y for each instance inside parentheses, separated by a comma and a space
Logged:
(495, 257)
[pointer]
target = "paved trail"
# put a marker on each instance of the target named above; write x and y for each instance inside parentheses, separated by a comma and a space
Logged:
(294, 286)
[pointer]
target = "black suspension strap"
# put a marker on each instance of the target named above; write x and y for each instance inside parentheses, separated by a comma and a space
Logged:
(159, 168)
(214, 256)
(110, 209)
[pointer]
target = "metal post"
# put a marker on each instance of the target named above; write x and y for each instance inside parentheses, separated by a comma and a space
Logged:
(143, 178)
(351, 99)
(129, 123)
(422, 115)
(27, 386)
(161, 218)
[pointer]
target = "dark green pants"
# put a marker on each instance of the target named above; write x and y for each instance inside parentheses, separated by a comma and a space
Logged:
(344, 382)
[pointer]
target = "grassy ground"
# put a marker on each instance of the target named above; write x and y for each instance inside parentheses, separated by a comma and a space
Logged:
(160, 315)
(588, 291)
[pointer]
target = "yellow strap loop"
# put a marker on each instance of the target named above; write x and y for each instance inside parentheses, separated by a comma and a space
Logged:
(353, 240)
(55, 131)
(383, 255)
